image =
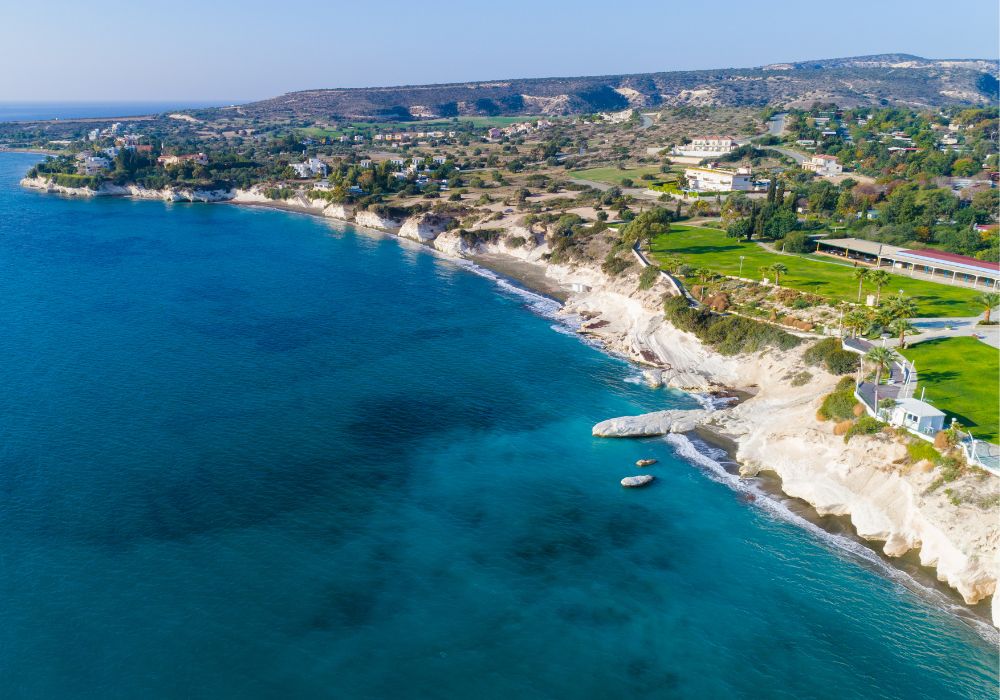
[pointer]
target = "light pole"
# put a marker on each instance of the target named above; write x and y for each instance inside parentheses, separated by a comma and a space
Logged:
(741, 266)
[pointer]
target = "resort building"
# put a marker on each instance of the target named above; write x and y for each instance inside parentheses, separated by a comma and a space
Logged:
(714, 180)
(707, 147)
(823, 165)
(310, 168)
(936, 265)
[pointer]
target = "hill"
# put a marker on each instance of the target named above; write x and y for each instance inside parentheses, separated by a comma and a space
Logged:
(884, 79)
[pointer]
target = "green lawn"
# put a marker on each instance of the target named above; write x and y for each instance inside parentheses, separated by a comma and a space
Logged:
(614, 176)
(712, 249)
(962, 378)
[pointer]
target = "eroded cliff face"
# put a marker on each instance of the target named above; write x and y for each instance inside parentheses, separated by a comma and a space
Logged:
(167, 194)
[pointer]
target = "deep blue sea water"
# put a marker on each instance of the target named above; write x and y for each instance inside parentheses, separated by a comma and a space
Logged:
(27, 111)
(248, 454)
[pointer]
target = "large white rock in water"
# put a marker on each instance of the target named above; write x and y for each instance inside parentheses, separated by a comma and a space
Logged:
(631, 482)
(650, 424)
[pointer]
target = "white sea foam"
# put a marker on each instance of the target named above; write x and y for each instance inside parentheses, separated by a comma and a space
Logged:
(711, 460)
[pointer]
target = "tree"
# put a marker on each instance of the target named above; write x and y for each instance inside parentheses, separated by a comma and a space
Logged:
(901, 306)
(856, 321)
(704, 275)
(879, 278)
(740, 228)
(900, 327)
(860, 274)
(764, 270)
(778, 269)
(988, 300)
(882, 358)
(646, 226)
(672, 264)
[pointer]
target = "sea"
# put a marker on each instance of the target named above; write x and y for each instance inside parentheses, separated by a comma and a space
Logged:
(252, 454)
(34, 111)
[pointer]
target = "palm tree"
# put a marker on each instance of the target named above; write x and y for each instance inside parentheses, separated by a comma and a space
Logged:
(882, 358)
(879, 278)
(672, 264)
(704, 275)
(856, 321)
(988, 300)
(860, 274)
(901, 306)
(902, 326)
(778, 269)
(764, 269)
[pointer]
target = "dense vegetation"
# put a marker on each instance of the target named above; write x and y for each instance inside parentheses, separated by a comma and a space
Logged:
(729, 335)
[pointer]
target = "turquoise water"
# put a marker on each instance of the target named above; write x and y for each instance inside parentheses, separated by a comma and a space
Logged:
(247, 454)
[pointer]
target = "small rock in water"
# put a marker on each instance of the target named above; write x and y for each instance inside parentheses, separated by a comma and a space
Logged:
(645, 462)
(635, 481)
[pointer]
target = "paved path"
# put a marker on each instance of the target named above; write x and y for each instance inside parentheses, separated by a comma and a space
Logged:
(931, 328)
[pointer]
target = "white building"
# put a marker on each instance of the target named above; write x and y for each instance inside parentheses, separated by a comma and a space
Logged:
(917, 416)
(365, 163)
(91, 165)
(707, 146)
(823, 165)
(714, 180)
(310, 168)
(440, 160)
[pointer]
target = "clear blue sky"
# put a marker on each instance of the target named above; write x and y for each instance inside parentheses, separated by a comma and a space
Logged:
(248, 49)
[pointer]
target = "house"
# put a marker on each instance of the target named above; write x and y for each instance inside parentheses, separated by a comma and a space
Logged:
(198, 158)
(144, 148)
(366, 163)
(916, 416)
(494, 133)
(94, 134)
(91, 165)
(715, 180)
(310, 168)
(440, 160)
(398, 162)
(706, 147)
(823, 165)
(321, 185)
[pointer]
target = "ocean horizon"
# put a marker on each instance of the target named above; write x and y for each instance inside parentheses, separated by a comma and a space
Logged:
(251, 453)
(37, 111)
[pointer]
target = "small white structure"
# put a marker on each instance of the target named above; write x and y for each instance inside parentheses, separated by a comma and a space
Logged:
(917, 417)
(440, 160)
(366, 163)
(715, 180)
(823, 165)
(707, 146)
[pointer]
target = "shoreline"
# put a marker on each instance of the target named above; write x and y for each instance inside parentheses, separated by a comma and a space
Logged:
(531, 276)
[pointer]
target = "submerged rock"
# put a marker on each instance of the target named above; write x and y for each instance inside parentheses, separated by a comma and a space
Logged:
(631, 482)
(645, 462)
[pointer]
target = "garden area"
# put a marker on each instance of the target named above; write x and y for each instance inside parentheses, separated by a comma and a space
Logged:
(614, 176)
(962, 378)
(712, 249)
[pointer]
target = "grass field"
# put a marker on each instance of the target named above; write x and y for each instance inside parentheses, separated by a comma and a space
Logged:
(712, 249)
(962, 378)
(614, 176)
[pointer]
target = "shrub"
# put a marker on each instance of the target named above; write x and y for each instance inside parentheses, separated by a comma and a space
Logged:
(865, 425)
(951, 468)
(648, 277)
(841, 362)
(728, 335)
(614, 266)
(516, 242)
(817, 353)
(918, 450)
(838, 405)
(801, 378)
(842, 427)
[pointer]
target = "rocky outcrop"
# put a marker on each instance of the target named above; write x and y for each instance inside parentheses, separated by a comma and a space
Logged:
(650, 424)
(370, 219)
(631, 482)
(341, 212)
(423, 228)
(166, 194)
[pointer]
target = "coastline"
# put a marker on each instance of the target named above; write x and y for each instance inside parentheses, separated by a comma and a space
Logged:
(632, 332)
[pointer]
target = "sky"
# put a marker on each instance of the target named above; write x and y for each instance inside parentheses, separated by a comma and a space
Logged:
(240, 50)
